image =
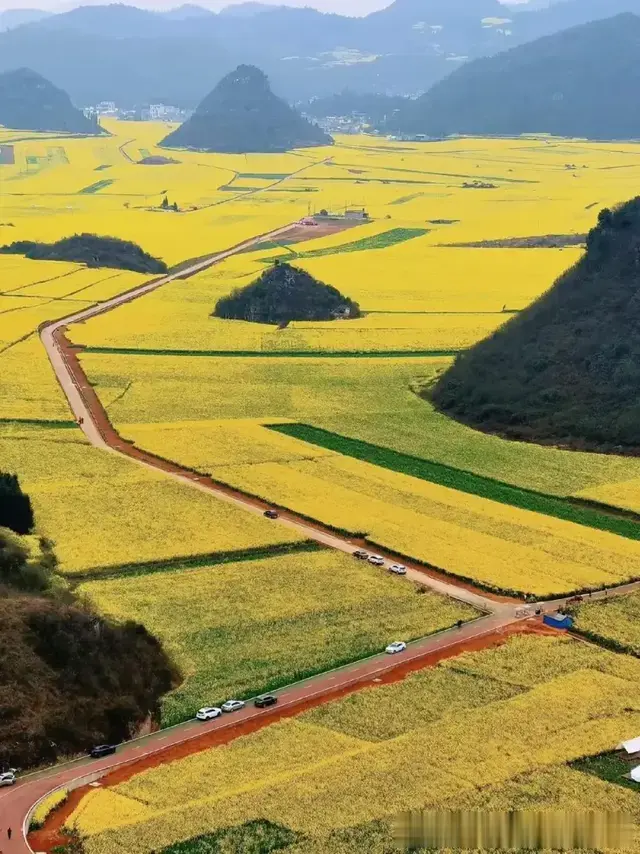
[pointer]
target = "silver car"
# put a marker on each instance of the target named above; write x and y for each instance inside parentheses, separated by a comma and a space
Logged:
(232, 706)
(8, 778)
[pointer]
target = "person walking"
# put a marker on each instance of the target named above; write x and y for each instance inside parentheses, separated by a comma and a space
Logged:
(9, 833)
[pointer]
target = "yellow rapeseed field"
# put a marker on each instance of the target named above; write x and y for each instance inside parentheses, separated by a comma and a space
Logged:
(370, 399)
(47, 806)
(616, 621)
(238, 629)
(494, 544)
(318, 777)
(103, 511)
(625, 494)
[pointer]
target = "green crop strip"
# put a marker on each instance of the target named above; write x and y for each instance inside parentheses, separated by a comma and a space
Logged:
(94, 188)
(571, 510)
(266, 176)
(277, 354)
(376, 241)
(195, 561)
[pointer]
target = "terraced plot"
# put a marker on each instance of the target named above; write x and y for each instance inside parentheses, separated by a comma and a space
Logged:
(533, 705)
(104, 511)
(244, 628)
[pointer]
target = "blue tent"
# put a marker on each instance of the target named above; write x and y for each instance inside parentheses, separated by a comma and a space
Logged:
(558, 621)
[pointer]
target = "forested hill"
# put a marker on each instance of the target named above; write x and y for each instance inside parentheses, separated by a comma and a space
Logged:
(243, 115)
(567, 369)
(580, 82)
(29, 102)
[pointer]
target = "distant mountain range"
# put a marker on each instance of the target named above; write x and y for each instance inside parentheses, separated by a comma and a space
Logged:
(134, 56)
(581, 82)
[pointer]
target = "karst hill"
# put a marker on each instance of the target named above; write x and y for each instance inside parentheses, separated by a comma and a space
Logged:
(284, 293)
(566, 370)
(242, 115)
(581, 82)
(30, 102)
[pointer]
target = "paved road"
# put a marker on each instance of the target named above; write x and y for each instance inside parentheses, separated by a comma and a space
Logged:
(16, 802)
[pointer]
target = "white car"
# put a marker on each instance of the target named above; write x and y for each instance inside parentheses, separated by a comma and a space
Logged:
(232, 706)
(208, 713)
(398, 569)
(376, 560)
(396, 646)
(8, 778)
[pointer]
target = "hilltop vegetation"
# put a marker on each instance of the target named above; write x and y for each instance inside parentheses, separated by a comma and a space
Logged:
(30, 102)
(552, 85)
(68, 678)
(566, 370)
(285, 293)
(242, 115)
(89, 249)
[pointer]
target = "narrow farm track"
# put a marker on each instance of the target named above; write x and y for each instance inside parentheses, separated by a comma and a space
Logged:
(502, 617)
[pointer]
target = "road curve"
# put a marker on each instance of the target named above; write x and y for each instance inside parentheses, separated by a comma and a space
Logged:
(17, 802)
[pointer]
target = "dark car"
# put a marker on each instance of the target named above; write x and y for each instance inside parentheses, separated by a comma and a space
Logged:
(266, 700)
(361, 554)
(102, 750)
(271, 514)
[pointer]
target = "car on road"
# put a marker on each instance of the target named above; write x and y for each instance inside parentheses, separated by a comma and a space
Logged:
(102, 750)
(361, 554)
(395, 647)
(8, 778)
(232, 706)
(271, 514)
(398, 569)
(208, 713)
(574, 600)
(265, 701)
(376, 560)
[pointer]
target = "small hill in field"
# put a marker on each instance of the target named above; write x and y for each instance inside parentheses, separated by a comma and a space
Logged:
(243, 115)
(581, 82)
(566, 370)
(30, 102)
(89, 249)
(283, 294)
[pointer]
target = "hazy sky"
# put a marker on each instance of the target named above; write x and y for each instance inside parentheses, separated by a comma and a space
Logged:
(345, 7)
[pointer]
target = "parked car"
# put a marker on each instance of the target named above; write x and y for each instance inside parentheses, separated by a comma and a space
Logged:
(376, 560)
(361, 554)
(208, 713)
(398, 569)
(102, 750)
(271, 514)
(265, 701)
(232, 706)
(396, 646)
(8, 778)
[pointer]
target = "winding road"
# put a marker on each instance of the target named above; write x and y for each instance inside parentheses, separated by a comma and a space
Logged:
(499, 615)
